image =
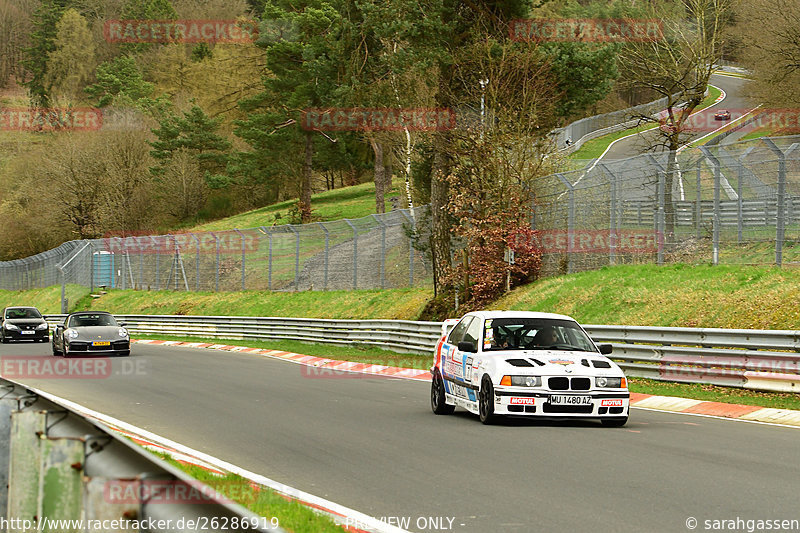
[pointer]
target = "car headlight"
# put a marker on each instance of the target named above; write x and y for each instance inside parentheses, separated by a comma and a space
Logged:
(11, 327)
(611, 383)
(521, 381)
(40, 327)
(72, 334)
(122, 332)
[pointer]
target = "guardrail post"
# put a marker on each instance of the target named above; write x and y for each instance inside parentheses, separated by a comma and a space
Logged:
(570, 219)
(355, 254)
(779, 218)
(241, 236)
(25, 464)
(327, 251)
(296, 256)
(716, 223)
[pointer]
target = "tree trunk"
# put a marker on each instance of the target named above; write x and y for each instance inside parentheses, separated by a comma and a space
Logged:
(305, 186)
(377, 148)
(440, 224)
(669, 205)
(387, 172)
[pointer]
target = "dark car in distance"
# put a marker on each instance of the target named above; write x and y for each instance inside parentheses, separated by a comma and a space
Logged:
(91, 333)
(23, 324)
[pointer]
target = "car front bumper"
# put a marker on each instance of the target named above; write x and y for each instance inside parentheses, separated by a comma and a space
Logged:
(516, 402)
(26, 335)
(89, 347)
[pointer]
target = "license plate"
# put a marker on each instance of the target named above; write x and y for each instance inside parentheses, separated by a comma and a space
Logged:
(570, 400)
(27, 332)
(101, 343)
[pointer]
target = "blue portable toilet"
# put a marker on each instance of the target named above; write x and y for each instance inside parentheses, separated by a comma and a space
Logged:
(103, 264)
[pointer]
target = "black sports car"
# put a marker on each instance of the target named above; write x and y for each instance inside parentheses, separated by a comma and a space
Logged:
(23, 324)
(91, 332)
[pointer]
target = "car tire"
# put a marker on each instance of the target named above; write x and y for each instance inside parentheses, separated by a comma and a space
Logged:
(4, 340)
(614, 422)
(438, 404)
(55, 352)
(486, 401)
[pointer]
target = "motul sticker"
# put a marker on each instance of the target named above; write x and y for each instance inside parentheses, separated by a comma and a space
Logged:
(611, 403)
(521, 401)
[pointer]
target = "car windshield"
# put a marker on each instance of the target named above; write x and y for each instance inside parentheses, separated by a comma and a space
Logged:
(23, 312)
(91, 320)
(535, 334)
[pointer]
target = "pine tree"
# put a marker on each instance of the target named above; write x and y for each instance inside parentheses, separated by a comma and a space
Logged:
(43, 37)
(71, 63)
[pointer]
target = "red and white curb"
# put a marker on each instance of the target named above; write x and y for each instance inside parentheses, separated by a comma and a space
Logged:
(307, 360)
(750, 413)
(642, 401)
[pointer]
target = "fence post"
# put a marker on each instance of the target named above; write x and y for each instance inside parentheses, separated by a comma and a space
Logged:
(740, 204)
(410, 247)
(612, 232)
(383, 250)
(570, 219)
(660, 218)
(327, 251)
(196, 262)
(268, 233)
(716, 219)
(216, 275)
(699, 204)
(779, 217)
(244, 264)
(296, 256)
(355, 254)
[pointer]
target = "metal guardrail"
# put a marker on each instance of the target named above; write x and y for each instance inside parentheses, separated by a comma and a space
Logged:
(57, 464)
(754, 359)
(399, 335)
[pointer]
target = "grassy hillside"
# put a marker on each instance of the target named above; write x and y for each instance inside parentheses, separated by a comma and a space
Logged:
(348, 202)
(675, 295)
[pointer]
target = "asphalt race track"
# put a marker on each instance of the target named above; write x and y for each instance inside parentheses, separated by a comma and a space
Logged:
(373, 444)
(734, 101)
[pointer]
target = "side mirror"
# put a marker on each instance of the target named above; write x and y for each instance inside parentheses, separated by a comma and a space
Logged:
(122, 324)
(605, 349)
(467, 346)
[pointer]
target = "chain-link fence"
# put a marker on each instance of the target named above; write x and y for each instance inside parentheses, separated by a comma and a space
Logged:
(734, 204)
(372, 252)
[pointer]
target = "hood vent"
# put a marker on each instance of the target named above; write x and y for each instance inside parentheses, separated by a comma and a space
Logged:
(518, 362)
(601, 364)
(537, 362)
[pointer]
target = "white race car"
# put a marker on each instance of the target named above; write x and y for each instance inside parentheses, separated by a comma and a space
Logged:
(526, 364)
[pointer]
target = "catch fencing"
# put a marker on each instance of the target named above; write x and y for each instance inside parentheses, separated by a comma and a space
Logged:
(733, 203)
(725, 203)
(372, 252)
(754, 359)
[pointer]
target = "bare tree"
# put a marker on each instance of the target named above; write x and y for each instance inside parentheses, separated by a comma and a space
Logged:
(676, 66)
(770, 35)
